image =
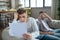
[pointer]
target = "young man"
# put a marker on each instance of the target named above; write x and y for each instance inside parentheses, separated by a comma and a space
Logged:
(43, 23)
(32, 28)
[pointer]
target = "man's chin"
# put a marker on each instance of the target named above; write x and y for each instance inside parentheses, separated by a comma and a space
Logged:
(22, 21)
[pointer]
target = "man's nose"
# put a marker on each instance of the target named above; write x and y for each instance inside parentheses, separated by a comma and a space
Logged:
(22, 18)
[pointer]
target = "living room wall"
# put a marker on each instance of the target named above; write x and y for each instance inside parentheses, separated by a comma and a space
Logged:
(35, 11)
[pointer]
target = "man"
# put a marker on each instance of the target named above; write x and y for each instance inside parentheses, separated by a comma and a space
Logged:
(43, 23)
(32, 28)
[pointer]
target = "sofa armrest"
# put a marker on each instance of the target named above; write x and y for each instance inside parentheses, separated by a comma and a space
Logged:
(55, 24)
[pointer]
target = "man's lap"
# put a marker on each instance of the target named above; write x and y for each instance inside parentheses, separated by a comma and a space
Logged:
(48, 37)
(56, 30)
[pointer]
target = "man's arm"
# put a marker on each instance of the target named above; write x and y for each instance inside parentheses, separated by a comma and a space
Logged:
(51, 33)
(48, 16)
(35, 32)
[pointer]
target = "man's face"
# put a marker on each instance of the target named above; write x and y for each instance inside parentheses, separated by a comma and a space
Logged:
(23, 17)
(42, 16)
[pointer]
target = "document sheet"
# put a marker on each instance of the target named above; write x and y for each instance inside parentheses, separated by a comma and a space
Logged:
(17, 29)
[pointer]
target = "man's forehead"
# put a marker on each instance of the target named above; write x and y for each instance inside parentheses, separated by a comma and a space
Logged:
(23, 14)
(43, 13)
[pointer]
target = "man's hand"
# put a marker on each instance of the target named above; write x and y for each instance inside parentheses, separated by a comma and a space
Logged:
(15, 16)
(51, 33)
(47, 16)
(27, 36)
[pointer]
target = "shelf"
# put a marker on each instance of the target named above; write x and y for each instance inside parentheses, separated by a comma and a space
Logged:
(4, 4)
(6, 11)
(4, 1)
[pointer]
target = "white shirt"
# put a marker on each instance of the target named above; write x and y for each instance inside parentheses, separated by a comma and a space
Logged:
(45, 25)
(32, 27)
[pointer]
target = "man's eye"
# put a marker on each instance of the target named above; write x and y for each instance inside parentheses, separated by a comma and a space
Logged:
(23, 16)
(19, 17)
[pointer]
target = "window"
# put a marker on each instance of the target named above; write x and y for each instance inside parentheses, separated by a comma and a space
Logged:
(33, 3)
(48, 3)
(26, 3)
(21, 2)
(36, 3)
(39, 3)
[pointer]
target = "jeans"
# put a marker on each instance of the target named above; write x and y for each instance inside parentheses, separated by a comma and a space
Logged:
(56, 32)
(47, 37)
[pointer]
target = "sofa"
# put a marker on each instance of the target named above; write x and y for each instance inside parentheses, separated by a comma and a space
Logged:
(54, 24)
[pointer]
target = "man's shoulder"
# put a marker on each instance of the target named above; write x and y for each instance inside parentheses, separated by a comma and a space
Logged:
(31, 18)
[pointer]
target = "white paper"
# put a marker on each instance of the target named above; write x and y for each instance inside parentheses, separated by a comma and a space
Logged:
(17, 29)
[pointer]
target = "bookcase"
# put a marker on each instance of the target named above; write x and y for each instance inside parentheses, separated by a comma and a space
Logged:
(6, 18)
(4, 4)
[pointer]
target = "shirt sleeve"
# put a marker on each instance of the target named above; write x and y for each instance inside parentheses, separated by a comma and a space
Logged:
(35, 32)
